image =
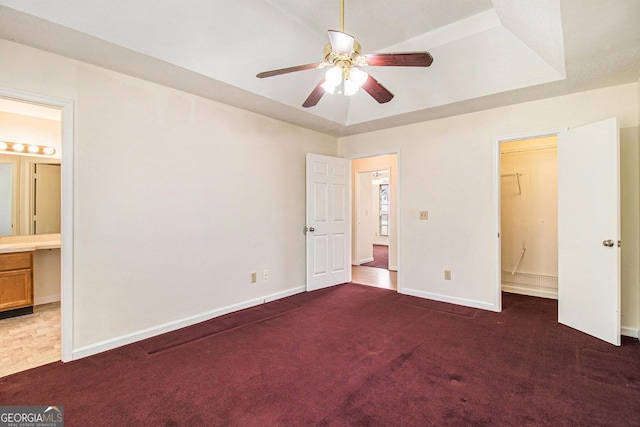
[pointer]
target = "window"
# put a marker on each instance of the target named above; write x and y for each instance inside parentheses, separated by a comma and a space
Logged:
(384, 209)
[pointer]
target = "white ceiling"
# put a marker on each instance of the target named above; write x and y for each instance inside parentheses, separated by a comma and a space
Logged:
(487, 53)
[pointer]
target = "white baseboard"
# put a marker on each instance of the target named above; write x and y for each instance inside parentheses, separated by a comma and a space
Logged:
(628, 331)
(112, 343)
(46, 300)
(366, 260)
(524, 290)
(452, 300)
(393, 267)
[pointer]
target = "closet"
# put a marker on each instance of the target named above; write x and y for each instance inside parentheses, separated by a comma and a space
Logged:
(529, 216)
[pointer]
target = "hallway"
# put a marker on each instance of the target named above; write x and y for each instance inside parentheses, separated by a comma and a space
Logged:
(372, 276)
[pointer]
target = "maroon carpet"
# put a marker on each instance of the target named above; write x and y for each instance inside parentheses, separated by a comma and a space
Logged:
(380, 257)
(351, 355)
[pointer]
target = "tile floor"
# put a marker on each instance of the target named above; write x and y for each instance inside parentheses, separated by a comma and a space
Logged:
(30, 340)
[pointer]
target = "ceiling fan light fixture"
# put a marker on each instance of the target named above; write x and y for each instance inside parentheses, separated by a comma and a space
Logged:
(342, 55)
(332, 79)
(350, 88)
(357, 78)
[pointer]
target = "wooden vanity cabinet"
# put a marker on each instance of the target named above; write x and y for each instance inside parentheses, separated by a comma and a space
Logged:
(16, 283)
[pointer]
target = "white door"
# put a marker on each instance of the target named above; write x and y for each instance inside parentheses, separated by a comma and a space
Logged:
(589, 230)
(328, 221)
(46, 201)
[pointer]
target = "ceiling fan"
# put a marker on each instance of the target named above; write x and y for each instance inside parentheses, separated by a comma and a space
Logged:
(346, 75)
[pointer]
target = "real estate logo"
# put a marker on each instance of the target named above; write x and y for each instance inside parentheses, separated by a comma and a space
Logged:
(31, 416)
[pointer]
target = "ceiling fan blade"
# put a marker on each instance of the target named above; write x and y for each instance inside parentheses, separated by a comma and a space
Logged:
(314, 96)
(407, 59)
(341, 43)
(377, 91)
(288, 70)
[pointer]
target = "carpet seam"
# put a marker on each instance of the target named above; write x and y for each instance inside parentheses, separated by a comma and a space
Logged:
(164, 348)
(436, 310)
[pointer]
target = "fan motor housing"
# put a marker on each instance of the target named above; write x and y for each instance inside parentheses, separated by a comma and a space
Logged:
(356, 50)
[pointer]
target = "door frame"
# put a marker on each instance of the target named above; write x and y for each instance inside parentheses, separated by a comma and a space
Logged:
(66, 108)
(398, 199)
(497, 200)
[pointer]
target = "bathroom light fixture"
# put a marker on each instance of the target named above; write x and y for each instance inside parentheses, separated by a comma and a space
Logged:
(18, 148)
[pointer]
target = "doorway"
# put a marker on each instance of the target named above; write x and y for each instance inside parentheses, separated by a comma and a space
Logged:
(64, 261)
(588, 227)
(375, 226)
(529, 216)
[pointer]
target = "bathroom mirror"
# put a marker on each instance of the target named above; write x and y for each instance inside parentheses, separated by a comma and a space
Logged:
(29, 195)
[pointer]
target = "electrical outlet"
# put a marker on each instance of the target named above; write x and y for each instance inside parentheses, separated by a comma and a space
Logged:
(424, 215)
(254, 278)
(265, 275)
(447, 275)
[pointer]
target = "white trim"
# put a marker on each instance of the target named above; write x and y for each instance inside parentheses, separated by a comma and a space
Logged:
(523, 290)
(628, 331)
(355, 228)
(67, 164)
(497, 200)
(122, 340)
(452, 300)
(366, 260)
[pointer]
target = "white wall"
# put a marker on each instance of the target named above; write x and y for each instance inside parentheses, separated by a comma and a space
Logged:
(638, 163)
(177, 200)
(629, 230)
(390, 163)
(448, 167)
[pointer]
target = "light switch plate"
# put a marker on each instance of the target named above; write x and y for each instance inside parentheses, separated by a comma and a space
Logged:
(424, 215)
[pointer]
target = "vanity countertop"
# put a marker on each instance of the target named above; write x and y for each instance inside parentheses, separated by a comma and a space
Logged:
(29, 243)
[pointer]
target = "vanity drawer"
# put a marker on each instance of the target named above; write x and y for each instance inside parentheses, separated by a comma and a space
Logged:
(15, 261)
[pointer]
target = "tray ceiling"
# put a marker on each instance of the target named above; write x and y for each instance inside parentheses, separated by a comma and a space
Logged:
(487, 53)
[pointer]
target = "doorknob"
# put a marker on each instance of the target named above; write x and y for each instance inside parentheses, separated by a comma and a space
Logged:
(311, 229)
(608, 243)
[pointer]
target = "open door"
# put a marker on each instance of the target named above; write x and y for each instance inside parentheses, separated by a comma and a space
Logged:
(328, 229)
(589, 230)
(46, 199)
